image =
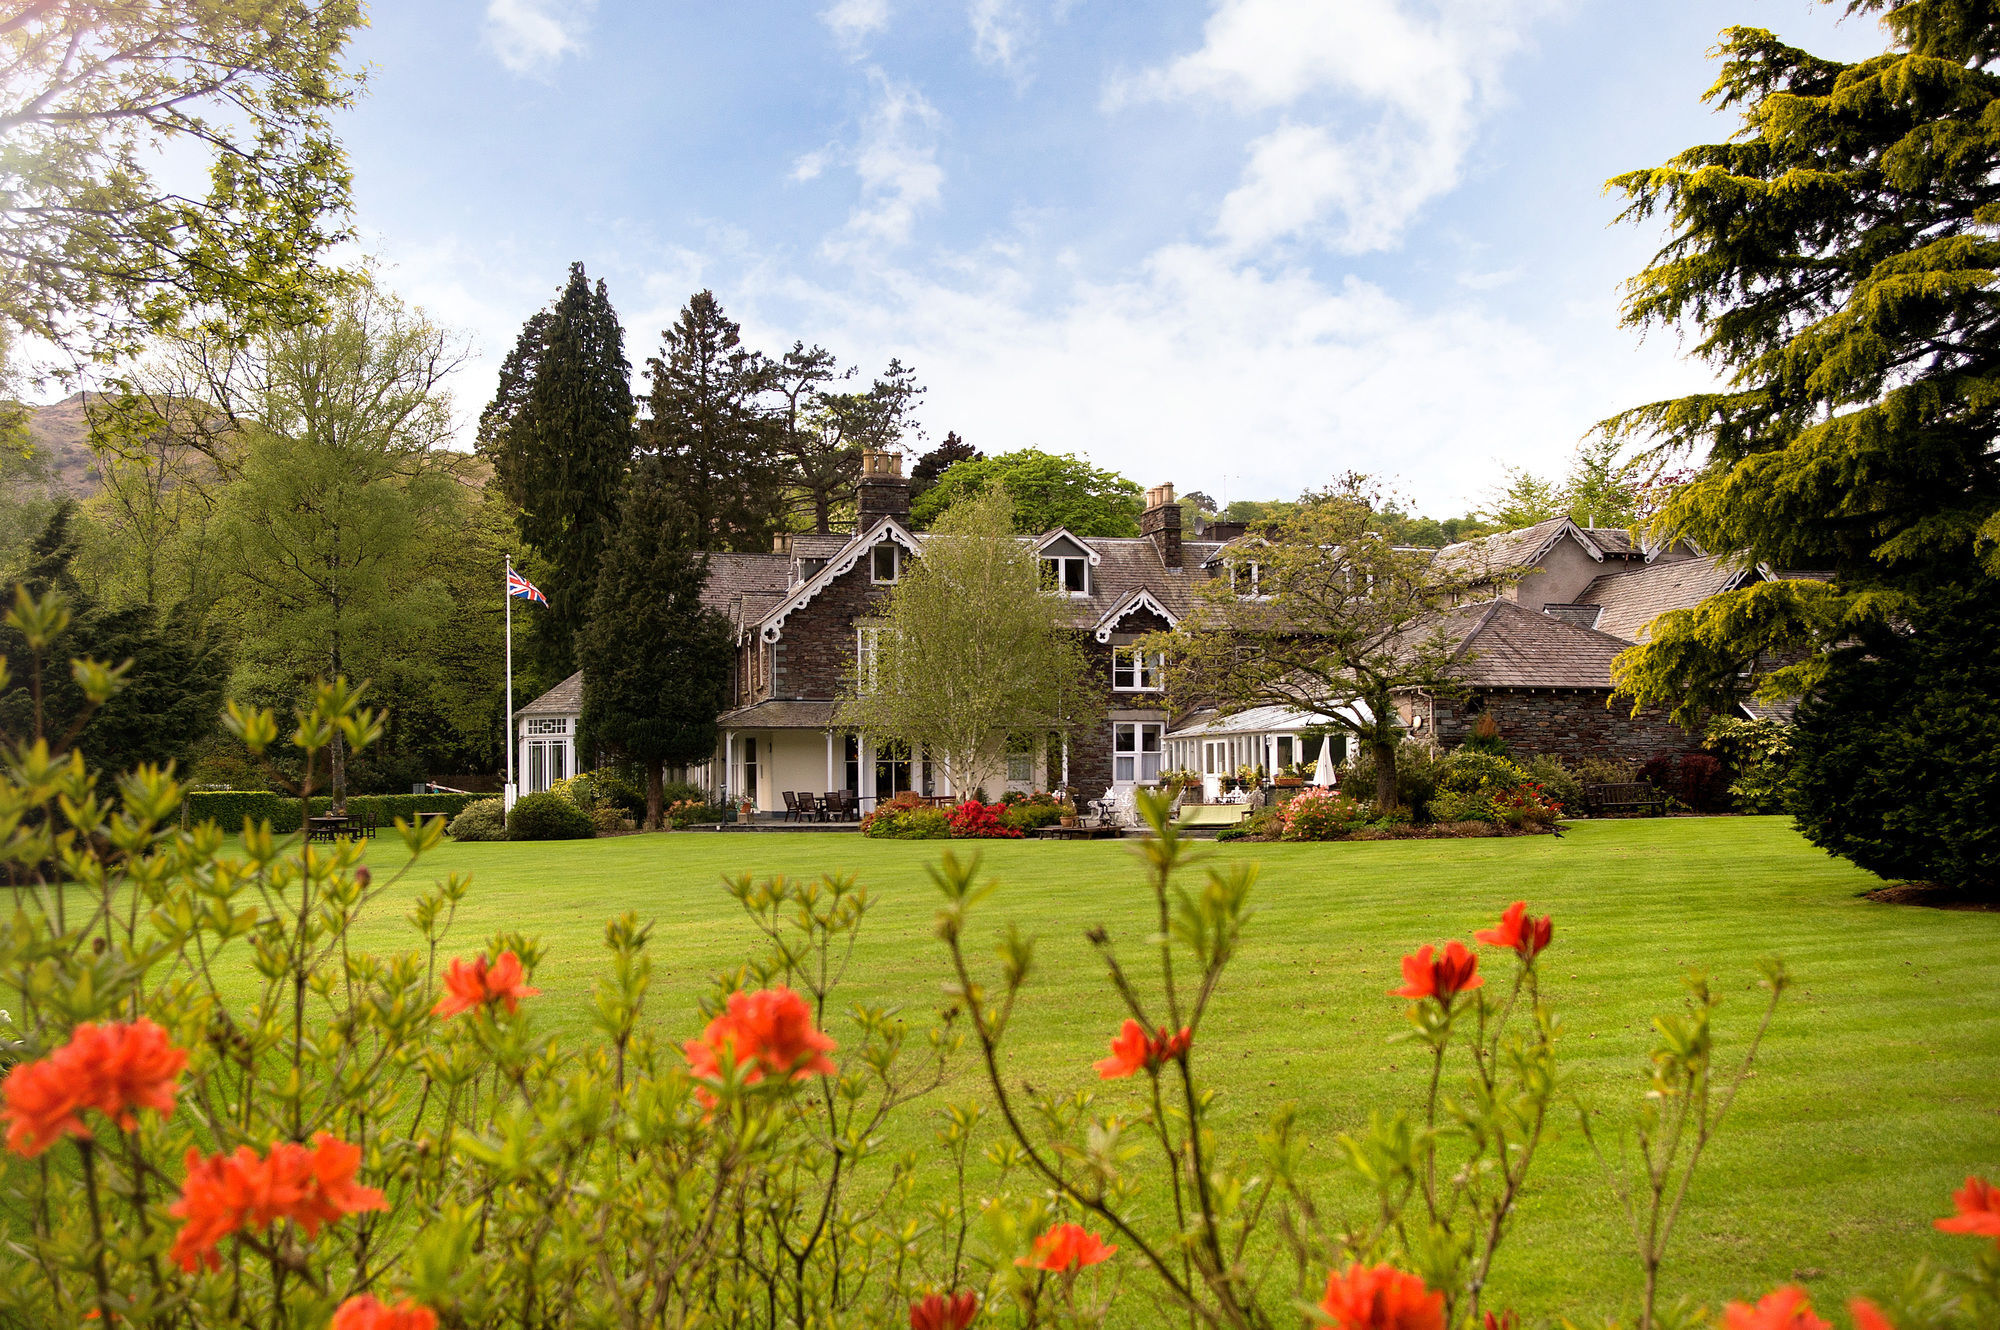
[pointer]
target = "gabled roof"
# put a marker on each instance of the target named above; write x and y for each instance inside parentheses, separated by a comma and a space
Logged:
(772, 625)
(1504, 645)
(1630, 600)
(1048, 538)
(1487, 555)
(565, 699)
(1271, 719)
(1137, 599)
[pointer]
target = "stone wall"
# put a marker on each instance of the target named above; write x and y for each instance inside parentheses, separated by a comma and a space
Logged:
(1571, 723)
(818, 640)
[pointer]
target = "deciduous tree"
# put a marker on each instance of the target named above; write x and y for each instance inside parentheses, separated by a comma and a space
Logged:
(970, 651)
(1047, 491)
(95, 249)
(1322, 612)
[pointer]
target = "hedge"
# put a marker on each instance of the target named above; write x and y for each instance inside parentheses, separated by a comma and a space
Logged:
(228, 808)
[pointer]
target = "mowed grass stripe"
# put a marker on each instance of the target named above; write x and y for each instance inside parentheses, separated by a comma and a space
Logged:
(1874, 1097)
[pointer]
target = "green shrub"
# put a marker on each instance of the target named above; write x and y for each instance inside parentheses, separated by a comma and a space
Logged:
(484, 820)
(1321, 815)
(617, 788)
(1604, 771)
(1899, 748)
(1469, 770)
(684, 813)
(547, 816)
(1758, 756)
(899, 823)
(607, 818)
(1558, 781)
(678, 791)
(228, 808)
(1416, 777)
(1025, 816)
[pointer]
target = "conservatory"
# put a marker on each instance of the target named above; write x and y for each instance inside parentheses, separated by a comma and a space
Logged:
(1216, 746)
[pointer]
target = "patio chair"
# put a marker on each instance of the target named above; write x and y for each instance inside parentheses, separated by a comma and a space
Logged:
(791, 806)
(808, 807)
(840, 805)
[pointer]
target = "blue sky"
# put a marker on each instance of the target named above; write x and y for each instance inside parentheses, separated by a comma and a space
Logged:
(1241, 245)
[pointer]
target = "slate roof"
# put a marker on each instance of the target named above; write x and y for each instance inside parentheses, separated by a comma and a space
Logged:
(1504, 645)
(1504, 549)
(1632, 599)
(1613, 539)
(741, 586)
(565, 699)
(1255, 720)
(779, 715)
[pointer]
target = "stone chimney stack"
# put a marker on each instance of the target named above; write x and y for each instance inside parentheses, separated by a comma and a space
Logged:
(883, 490)
(1162, 522)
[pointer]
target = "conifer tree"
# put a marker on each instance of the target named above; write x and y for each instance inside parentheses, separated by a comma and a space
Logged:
(710, 431)
(1837, 263)
(655, 659)
(559, 434)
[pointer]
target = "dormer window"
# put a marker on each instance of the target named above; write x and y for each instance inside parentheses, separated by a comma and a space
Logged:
(885, 562)
(1069, 576)
(1246, 580)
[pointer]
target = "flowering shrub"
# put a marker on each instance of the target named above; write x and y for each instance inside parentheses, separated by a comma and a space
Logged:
(1476, 786)
(895, 821)
(973, 820)
(684, 813)
(1320, 815)
(393, 1142)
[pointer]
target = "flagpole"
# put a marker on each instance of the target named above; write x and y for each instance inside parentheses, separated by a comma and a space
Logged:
(506, 595)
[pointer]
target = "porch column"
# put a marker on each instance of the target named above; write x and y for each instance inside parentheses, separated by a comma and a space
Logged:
(1065, 758)
(728, 764)
(865, 752)
(829, 759)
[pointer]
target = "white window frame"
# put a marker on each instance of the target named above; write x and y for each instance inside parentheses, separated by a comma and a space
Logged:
(1056, 570)
(895, 563)
(867, 658)
(1129, 766)
(1256, 591)
(1143, 671)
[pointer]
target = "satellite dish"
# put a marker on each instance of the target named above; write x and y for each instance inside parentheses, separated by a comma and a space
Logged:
(1417, 720)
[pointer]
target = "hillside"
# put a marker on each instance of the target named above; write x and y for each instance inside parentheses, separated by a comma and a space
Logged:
(61, 436)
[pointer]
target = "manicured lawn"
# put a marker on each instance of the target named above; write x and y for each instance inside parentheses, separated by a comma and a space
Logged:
(1879, 1089)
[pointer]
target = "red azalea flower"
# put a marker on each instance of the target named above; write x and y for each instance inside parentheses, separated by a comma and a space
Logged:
(1455, 972)
(1507, 1320)
(1067, 1247)
(937, 1312)
(768, 1032)
(116, 1068)
(365, 1313)
(1867, 1316)
(1785, 1308)
(1978, 1209)
(1381, 1297)
(473, 984)
(1134, 1050)
(228, 1193)
(1525, 933)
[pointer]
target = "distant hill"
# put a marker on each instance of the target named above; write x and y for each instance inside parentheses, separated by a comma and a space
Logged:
(61, 436)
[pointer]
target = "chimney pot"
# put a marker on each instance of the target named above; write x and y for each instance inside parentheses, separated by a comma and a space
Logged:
(1161, 521)
(882, 491)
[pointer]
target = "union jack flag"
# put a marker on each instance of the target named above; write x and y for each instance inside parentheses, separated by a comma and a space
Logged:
(522, 589)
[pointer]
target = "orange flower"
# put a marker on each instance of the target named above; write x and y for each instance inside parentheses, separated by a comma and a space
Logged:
(768, 1032)
(1867, 1316)
(365, 1313)
(937, 1312)
(1525, 933)
(1133, 1050)
(473, 984)
(1381, 1297)
(1978, 1209)
(228, 1193)
(1785, 1308)
(1067, 1247)
(116, 1069)
(1444, 978)
(1507, 1320)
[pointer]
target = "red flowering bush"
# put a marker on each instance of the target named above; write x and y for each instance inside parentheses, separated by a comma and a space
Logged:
(395, 1142)
(972, 820)
(1320, 815)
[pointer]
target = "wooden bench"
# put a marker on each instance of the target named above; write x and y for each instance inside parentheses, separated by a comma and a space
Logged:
(1632, 797)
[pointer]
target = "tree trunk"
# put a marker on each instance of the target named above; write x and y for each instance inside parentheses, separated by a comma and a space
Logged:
(1385, 776)
(823, 512)
(655, 796)
(337, 773)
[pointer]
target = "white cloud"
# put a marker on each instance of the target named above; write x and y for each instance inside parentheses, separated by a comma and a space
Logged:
(811, 165)
(853, 21)
(530, 36)
(999, 31)
(1383, 104)
(895, 162)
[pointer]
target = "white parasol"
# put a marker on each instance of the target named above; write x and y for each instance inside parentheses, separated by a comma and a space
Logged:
(1323, 773)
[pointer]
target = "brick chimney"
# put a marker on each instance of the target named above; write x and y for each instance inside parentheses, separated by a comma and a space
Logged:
(1162, 522)
(882, 491)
